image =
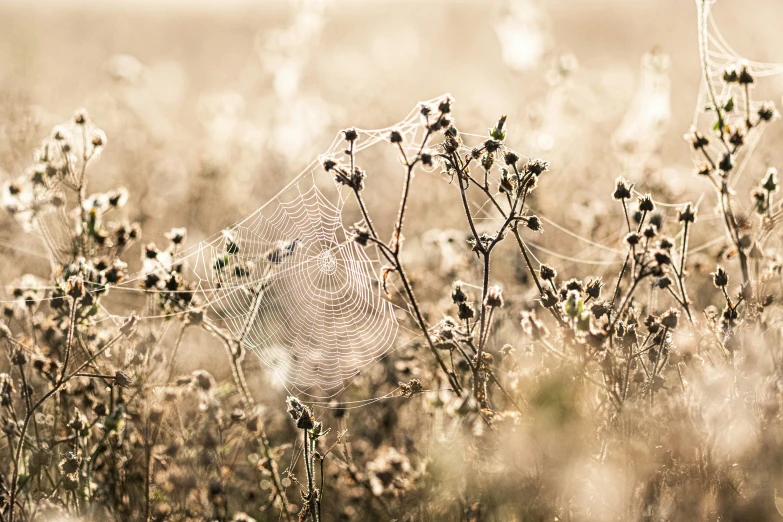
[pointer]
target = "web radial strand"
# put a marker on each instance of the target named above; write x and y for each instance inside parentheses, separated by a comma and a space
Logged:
(305, 299)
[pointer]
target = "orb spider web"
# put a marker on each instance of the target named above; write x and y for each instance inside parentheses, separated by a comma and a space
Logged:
(291, 285)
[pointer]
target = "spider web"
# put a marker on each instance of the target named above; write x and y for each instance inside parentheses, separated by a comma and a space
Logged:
(291, 285)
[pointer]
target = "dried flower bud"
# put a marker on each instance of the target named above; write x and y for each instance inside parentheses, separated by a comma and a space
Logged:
(395, 136)
(350, 134)
(510, 157)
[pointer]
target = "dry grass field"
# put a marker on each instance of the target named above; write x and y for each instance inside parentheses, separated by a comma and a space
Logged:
(433, 260)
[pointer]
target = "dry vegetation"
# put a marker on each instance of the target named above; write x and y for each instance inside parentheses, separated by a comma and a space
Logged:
(592, 334)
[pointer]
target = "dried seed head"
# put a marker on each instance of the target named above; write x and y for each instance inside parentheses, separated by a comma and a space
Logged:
(730, 74)
(696, 139)
(633, 239)
(593, 288)
(19, 358)
(662, 258)
(537, 166)
(574, 284)
(686, 214)
(122, 380)
(726, 162)
(534, 224)
(704, 169)
(510, 157)
(361, 234)
(306, 420)
(203, 380)
(465, 311)
(80, 117)
(759, 198)
(737, 138)
(548, 298)
(547, 272)
(410, 388)
(294, 407)
(646, 203)
(720, 278)
(745, 77)
(329, 164)
(75, 287)
(770, 183)
(177, 235)
(622, 189)
(395, 136)
(670, 318)
(767, 112)
(458, 295)
(494, 297)
(350, 134)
